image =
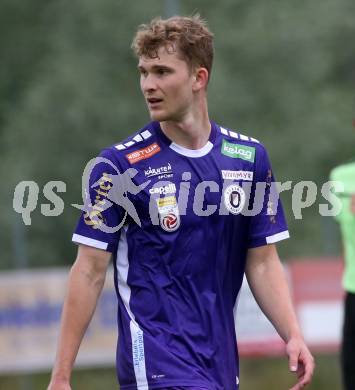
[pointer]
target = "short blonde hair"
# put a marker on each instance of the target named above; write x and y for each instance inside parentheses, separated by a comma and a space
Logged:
(189, 36)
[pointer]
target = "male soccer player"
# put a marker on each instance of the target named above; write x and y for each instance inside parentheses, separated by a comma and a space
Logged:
(185, 191)
(346, 174)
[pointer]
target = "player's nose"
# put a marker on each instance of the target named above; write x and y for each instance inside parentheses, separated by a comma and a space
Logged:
(148, 84)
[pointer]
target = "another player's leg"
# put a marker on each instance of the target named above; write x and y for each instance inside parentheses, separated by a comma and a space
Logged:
(348, 343)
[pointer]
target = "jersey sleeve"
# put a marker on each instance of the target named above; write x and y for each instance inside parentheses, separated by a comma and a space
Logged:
(267, 226)
(100, 220)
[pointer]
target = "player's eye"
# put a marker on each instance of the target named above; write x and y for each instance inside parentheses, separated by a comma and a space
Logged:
(162, 71)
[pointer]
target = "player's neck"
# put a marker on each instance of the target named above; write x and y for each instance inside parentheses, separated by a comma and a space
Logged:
(192, 132)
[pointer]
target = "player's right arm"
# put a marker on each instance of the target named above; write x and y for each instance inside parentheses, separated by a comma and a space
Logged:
(86, 279)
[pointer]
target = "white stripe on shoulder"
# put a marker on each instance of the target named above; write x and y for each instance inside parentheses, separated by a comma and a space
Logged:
(244, 137)
(254, 140)
(233, 134)
(278, 237)
(146, 134)
(138, 138)
(79, 239)
(224, 131)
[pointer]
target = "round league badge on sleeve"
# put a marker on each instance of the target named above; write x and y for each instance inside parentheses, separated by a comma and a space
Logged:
(234, 198)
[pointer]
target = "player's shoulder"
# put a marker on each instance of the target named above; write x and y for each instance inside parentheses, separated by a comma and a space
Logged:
(241, 138)
(144, 138)
(141, 138)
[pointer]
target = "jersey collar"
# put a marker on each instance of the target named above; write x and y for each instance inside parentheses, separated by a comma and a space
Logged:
(194, 153)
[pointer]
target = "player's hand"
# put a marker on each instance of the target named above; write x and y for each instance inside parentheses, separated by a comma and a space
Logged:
(301, 362)
(59, 385)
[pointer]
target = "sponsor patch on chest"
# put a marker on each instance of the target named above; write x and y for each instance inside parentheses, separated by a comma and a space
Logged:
(243, 152)
(237, 175)
(143, 154)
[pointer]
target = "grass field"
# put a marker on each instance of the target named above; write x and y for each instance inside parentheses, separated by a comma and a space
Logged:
(256, 374)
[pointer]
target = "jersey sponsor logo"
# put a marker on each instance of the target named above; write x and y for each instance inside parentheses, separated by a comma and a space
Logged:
(169, 216)
(143, 154)
(234, 198)
(238, 175)
(158, 376)
(165, 190)
(93, 217)
(162, 172)
(167, 201)
(243, 152)
(138, 355)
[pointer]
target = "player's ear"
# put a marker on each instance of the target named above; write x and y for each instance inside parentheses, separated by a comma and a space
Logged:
(200, 79)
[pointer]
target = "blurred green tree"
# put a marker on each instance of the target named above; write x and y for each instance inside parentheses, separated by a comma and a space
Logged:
(283, 73)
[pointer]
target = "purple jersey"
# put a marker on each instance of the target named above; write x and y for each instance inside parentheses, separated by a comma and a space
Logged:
(188, 218)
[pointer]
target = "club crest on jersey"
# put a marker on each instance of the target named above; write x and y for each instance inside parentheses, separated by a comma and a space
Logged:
(169, 216)
(234, 198)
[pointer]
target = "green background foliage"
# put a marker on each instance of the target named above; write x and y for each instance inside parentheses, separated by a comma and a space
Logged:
(283, 73)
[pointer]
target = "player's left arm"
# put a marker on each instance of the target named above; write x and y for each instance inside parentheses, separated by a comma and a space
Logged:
(269, 286)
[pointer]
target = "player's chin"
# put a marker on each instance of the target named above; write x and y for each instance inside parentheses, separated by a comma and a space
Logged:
(158, 116)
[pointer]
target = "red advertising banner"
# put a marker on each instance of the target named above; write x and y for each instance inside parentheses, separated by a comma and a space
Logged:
(318, 296)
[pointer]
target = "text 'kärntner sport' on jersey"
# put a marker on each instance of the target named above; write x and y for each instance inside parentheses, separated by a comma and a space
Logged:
(179, 223)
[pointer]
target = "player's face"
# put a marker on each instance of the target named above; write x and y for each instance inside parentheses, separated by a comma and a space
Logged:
(167, 86)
